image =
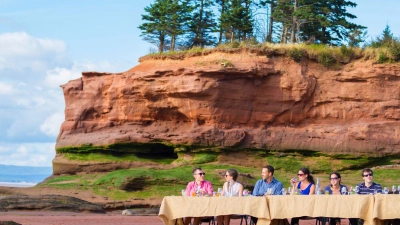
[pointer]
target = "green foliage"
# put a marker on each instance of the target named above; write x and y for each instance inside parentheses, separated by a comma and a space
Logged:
(326, 59)
(206, 157)
(295, 54)
(382, 58)
(387, 45)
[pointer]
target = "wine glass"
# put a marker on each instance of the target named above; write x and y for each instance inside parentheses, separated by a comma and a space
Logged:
(356, 189)
(343, 190)
(289, 190)
(398, 189)
(183, 192)
(385, 190)
(350, 190)
(393, 189)
(283, 191)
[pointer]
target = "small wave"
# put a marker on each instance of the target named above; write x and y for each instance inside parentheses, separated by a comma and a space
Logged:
(17, 184)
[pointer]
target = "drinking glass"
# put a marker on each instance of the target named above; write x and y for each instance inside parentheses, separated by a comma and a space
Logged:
(269, 191)
(283, 191)
(398, 189)
(393, 189)
(183, 192)
(375, 191)
(356, 189)
(385, 190)
(351, 190)
(293, 180)
(289, 190)
(343, 190)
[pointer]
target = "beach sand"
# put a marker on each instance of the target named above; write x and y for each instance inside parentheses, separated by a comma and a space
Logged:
(111, 218)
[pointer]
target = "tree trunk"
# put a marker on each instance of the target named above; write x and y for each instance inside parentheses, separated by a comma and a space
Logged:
(284, 34)
(271, 23)
(172, 47)
(161, 44)
(294, 22)
(221, 29)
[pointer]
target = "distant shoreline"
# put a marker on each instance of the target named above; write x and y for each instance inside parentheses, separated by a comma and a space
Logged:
(17, 184)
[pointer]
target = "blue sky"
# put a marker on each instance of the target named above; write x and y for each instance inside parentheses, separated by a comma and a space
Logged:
(46, 43)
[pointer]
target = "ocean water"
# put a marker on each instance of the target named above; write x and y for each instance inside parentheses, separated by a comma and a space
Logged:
(23, 176)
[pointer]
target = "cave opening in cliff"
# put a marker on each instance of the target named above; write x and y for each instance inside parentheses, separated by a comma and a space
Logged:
(151, 151)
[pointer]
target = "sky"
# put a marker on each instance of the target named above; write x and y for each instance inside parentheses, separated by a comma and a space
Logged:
(46, 43)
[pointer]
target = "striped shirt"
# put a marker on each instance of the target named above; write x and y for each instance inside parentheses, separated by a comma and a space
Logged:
(364, 190)
(262, 186)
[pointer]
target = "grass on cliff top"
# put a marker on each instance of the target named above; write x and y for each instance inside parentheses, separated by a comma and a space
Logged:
(328, 56)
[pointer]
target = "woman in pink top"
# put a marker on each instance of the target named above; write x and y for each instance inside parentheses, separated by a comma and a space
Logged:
(200, 187)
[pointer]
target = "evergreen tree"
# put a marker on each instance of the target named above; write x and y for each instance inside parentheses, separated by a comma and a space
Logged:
(237, 21)
(155, 30)
(202, 24)
(166, 20)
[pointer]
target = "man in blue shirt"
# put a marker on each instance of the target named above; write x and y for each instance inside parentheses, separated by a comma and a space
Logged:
(365, 188)
(268, 181)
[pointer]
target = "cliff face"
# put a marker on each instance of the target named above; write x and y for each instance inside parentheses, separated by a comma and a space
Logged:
(260, 102)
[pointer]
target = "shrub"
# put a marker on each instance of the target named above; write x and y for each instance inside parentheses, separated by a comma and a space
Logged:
(326, 59)
(295, 54)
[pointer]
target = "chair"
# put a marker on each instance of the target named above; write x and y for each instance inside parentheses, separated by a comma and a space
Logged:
(209, 219)
(241, 217)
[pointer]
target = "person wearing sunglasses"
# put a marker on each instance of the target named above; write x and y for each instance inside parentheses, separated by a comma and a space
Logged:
(230, 188)
(368, 187)
(335, 188)
(199, 186)
(305, 186)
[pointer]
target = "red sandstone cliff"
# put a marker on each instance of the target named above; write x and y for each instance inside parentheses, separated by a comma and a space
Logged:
(261, 102)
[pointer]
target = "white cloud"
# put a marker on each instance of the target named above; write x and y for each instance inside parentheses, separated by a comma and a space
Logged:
(51, 126)
(6, 89)
(60, 76)
(21, 52)
(27, 154)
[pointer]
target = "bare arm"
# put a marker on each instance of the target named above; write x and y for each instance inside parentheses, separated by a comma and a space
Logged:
(240, 190)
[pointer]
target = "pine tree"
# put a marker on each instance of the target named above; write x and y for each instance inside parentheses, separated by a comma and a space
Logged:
(166, 20)
(237, 21)
(155, 31)
(202, 24)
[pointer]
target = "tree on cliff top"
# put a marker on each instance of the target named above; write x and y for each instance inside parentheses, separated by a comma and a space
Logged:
(167, 19)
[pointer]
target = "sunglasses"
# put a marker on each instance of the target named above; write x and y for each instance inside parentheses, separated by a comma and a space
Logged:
(334, 178)
(300, 174)
(367, 175)
(201, 174)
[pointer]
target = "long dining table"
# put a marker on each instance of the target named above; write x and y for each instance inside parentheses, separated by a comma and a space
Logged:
(373, 209)
(173, 208)
(339, 206)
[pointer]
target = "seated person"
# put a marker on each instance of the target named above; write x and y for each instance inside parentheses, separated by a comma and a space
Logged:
(231, 188)
(305, 186)
(335, 188)
(198, 186)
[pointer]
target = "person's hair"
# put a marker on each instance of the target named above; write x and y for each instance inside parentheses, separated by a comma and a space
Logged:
(338, 176)
(195, 169)
(309, 177)
(234, 173)
(368, 170)
(270, 169)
